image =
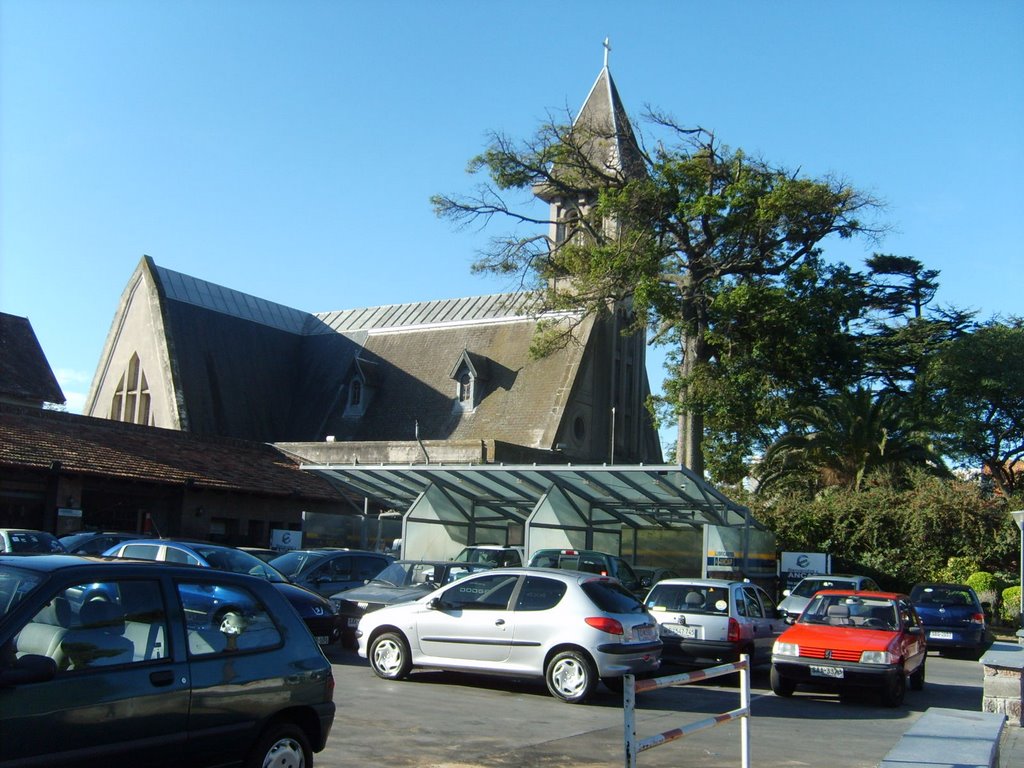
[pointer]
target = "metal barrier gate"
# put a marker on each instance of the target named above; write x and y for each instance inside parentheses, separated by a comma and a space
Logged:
(632, 686)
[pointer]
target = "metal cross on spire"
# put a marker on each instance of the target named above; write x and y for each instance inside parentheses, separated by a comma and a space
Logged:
(607, 50)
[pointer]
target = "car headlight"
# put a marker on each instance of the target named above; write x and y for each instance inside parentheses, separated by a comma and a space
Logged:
(785, 649)
(877, 657)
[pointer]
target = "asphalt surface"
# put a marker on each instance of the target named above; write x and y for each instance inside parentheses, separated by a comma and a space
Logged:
(452, 720)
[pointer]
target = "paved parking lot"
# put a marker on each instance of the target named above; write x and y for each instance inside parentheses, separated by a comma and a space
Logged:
(447, 720)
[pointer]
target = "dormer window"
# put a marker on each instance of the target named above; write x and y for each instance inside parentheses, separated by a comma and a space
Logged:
(466, 387)
(361, 386)
(469, 373)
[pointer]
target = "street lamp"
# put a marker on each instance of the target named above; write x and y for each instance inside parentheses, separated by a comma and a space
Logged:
(1018, 518)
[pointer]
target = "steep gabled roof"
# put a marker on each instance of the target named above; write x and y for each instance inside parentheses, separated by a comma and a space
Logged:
(25, 374)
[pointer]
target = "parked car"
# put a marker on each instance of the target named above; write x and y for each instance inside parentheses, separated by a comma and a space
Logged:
(128, 681)
(589, 561)
(263, 553)
(328, 571)
(713, 621)
(316, 610)
(26, 541)
(650, 576)
(492, 554)
(795, 600)
(399, 582)
(953, 618)
(569, 628)
(846, 639)
(95, 542)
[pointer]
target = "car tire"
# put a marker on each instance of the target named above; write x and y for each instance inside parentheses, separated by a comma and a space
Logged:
(781, 686)
(571, 677)
(894, 691)
(389, 656)
(282, 745)
(917, 678)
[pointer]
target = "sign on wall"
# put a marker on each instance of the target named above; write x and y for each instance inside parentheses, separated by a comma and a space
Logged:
(281, 539)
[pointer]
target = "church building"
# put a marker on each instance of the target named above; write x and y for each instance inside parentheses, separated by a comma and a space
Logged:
(450, 380)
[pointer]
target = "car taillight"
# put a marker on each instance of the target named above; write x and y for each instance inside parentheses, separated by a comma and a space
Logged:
(603, 623)
(733, 635)
(330, 687)
(978, 618)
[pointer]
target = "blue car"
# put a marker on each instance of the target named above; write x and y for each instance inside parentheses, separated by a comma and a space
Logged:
(202, 605)
(953, 618)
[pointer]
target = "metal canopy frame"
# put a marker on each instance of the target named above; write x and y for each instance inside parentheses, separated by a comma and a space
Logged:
(666, 496)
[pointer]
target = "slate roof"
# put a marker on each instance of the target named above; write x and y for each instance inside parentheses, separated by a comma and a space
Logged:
(36, 439)
(25, 374)
(257, 370)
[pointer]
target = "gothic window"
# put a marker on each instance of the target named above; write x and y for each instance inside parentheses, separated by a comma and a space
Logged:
(131, 400)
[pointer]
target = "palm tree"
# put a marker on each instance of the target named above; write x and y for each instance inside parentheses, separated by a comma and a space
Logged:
(847, 437)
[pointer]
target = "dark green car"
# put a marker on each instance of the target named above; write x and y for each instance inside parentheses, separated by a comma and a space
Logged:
(137, 676)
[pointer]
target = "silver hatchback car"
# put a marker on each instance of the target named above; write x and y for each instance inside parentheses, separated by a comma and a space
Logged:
(714, 621)
(567, 627)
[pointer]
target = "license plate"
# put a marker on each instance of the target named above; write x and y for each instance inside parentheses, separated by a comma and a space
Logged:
(323, 639)
(941, 635)
(645, 633)
(833, 672)
(682, 630)
(353, 623)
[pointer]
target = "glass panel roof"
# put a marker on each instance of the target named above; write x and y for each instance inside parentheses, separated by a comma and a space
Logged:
(638, 496)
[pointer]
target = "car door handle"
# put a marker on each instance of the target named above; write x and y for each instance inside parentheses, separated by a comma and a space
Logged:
(162, 678)
(498, 622)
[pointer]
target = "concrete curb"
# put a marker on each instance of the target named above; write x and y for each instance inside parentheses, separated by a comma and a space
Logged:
(949, 738)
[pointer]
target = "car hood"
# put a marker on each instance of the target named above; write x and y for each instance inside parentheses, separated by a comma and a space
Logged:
(383, 594)
(839, 638)
(305, 601)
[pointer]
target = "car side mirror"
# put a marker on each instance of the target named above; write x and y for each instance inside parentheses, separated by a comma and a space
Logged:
(30, 668)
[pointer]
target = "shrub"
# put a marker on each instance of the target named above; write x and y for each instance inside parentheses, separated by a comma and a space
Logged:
(957, 569)
(988, 587)
(1010, 607)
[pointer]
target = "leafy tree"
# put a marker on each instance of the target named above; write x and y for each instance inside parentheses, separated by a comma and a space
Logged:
(903, 533)
(846, 437)
(692, 222)
(980, 380)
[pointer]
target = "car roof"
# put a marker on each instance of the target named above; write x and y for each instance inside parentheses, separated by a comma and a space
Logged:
(47, 563)
(863, 593)
(683, 581)
(829, 576)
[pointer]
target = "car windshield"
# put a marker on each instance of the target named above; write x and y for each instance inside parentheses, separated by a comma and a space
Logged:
(34, 541)
(411, 573)
(15, 584)
(851, 611)
(808, 587)
(291, 564)
(237, 561)
(943, 594)
(689, 598)
(611, 596)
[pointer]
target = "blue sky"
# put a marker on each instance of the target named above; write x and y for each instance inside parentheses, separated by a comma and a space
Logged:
(288, 149)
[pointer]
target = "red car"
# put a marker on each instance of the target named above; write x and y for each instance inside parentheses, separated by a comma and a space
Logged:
(846, 639)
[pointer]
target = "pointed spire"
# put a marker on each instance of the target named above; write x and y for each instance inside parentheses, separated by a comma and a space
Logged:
(613, 144)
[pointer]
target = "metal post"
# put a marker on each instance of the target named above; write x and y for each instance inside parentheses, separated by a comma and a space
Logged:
(745, 705)
(1018, 518)
(629, 719)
